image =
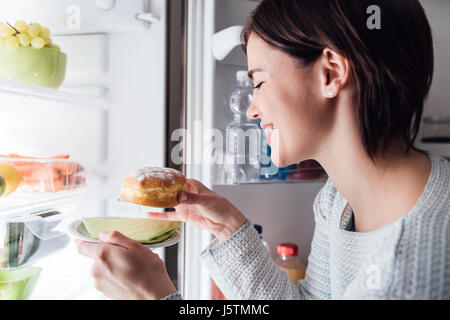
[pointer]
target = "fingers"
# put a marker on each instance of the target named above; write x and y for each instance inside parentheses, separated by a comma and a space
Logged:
(111, 288)
(91, 249)
(190, 186)
(97, 251)
(118, 239)
(196, 186)
(205, 199)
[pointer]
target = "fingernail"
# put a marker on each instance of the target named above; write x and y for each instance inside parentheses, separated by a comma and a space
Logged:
(183, 196)
(102, 235)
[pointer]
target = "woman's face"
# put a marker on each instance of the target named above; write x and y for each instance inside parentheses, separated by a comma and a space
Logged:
(289, 100)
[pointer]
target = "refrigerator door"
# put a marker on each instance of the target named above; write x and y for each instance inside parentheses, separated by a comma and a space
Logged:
(109, 115)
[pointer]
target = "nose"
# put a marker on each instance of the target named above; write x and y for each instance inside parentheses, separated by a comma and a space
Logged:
(252, 112)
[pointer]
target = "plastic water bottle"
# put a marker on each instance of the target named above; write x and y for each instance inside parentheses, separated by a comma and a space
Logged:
(242, 136)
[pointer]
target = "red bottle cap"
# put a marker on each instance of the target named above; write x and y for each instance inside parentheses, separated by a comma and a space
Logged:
(287, 249)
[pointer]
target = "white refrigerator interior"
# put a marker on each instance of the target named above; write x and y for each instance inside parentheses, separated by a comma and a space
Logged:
(109, 115)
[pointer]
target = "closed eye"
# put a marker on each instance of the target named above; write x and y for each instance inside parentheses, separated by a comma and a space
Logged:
(258, 86)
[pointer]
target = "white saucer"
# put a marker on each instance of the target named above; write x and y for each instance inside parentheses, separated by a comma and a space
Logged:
(76, 229)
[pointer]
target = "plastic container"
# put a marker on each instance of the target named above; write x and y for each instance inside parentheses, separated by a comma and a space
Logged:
(46, 175)
(242, 157)
(26, 238)
(289, 262)
(259, 229)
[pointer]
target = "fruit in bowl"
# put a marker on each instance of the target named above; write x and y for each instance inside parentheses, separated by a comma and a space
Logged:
(28, 54)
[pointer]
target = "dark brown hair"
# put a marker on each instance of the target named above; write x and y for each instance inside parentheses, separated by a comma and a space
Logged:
(392, 66)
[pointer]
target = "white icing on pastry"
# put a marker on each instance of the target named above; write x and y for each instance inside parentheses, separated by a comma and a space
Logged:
(156, 172)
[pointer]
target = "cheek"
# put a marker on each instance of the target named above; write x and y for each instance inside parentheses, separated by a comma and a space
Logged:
(296, 122)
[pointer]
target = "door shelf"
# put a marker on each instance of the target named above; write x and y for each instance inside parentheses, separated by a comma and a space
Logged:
(15, 94)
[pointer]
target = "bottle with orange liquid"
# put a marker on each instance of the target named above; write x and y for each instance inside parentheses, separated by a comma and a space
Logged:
(289, 262)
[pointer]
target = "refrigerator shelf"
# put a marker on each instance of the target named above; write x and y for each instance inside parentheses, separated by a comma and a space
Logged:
(21, 204)
(295, 174)
(16, 94)
(274, 181)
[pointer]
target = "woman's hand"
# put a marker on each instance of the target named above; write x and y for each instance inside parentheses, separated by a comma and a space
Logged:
(205, 209)
(125, 269)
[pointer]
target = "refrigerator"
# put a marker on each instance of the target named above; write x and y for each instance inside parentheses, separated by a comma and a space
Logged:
(147, 84)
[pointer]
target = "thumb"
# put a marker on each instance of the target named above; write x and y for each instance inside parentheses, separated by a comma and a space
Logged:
(117, 238)
(194, 198)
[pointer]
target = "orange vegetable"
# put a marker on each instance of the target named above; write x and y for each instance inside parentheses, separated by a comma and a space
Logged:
(37, 172)
(17, 156)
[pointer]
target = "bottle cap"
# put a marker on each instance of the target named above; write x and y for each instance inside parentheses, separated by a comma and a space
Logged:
(287, 249)
(242, 75)
(258, 228)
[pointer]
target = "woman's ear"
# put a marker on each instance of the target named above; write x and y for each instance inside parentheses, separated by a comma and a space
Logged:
(335, 73)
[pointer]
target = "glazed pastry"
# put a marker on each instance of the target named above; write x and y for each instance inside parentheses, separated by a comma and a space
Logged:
(153, 187)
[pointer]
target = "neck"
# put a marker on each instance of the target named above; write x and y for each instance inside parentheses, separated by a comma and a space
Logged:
(379, 191)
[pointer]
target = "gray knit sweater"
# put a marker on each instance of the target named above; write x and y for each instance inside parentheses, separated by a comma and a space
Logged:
(406, 259)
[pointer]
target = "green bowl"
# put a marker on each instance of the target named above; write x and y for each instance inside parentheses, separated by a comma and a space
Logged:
(44, 67)
(17, 284)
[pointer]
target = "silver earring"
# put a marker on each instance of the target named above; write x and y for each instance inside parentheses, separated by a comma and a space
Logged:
(330, 92)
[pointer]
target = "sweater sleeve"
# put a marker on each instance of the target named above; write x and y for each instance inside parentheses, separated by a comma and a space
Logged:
(243, 269)
(173, 296)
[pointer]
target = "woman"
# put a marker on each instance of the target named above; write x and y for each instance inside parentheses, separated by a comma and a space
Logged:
(330, 88)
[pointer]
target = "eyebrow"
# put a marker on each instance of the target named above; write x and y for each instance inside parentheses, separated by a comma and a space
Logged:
(251, 72)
